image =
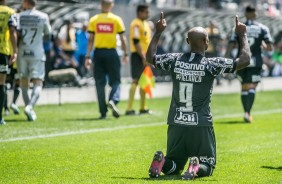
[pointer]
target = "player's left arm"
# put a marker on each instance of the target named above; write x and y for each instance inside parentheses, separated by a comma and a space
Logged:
(232, 44)
(121, 32)
(225, 65)
(244, 48)
(267, 40)
(124, 47)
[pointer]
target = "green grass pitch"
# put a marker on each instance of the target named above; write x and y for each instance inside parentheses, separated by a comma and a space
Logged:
(68, 145)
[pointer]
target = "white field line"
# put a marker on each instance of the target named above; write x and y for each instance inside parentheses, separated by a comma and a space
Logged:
(60, 134)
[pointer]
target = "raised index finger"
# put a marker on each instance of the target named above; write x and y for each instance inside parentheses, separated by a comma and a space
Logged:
(162, 15)
(236, 21)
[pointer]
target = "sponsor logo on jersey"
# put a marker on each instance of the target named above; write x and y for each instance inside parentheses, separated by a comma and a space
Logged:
(186, 118)
(189, 66)
(253, 31)
(189, 72)
(28, 53)
(105, 28)
(29, 21)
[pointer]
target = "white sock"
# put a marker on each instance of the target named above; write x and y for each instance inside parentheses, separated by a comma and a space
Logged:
(35, 94)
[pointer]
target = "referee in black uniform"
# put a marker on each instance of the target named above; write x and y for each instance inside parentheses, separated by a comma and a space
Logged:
(103, 29)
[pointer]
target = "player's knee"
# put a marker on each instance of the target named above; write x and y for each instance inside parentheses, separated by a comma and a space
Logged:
(134, 81)
(205, 170)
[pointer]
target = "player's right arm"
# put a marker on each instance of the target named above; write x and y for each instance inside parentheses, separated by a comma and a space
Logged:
(244, 53)
(91, 31)
(160, 27)
(88, 60)
(13, 37)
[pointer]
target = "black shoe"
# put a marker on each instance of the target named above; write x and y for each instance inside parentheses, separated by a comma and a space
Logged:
(102, 117)
(130, 113)
(145, 111)
(114, 108)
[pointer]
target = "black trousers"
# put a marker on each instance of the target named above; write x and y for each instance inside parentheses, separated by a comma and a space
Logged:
(107, 71)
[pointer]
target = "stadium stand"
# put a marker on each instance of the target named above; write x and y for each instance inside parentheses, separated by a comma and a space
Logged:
(178, 20)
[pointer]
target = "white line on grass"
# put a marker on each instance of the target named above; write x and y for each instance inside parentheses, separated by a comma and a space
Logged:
(60, 134)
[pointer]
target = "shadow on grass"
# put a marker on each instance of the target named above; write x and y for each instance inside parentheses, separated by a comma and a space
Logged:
(94, 119)
(272, 168)
(15, 121)
(231, 122)
(87, 119)
(162, 177)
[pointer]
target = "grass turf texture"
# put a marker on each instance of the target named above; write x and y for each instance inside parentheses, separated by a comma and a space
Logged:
(82, 149)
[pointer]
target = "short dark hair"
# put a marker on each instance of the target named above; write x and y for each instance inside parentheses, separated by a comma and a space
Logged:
(107, 2)
(68, 21)
(250, 9)
(31, 2)
(142, 7)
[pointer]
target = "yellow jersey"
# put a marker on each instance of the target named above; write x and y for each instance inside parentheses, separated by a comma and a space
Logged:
(105, 27)
(140, 30)
(5, 16)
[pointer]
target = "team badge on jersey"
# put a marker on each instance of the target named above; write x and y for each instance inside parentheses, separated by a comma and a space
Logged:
(136, 32)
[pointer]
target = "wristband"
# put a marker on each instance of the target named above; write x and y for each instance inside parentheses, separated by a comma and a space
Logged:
(87, 57)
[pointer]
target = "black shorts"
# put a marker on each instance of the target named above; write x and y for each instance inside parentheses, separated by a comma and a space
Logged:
(12, 74)
(4, 61)
(137, 66)
(249, 75)
(69, 53)
(184, 142)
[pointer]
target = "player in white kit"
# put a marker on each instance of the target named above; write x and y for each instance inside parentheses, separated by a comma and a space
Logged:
(34, 27)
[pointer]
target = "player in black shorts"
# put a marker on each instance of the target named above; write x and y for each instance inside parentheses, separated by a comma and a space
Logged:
(13, 78)
(140, 36)
(8, 47)
(258, 36)
(190, 128)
